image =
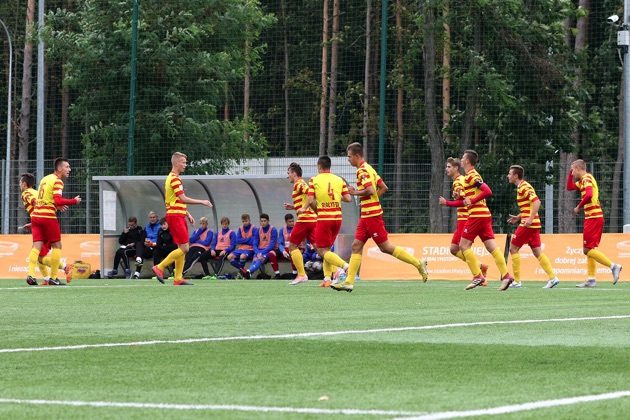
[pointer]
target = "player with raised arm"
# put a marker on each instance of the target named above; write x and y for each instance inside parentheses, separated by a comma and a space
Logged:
(452, 171)
(44, 223)
(479, 223)
(580, 180)
(176, 213)
(528, 231)
(370, 186)
(326, 191)
(304, 228)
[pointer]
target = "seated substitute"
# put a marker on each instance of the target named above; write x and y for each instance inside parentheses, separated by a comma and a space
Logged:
(200, 242)
(265, 247)
(150, 241)
(244, 243)
(164, 245)
(223, 243)
(131, 238)
(284, 236)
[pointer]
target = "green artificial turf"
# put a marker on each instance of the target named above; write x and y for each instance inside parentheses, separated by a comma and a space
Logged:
(457, 368)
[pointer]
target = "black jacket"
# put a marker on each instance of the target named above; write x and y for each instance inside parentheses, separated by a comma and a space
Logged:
(133, 236)
(165, 241)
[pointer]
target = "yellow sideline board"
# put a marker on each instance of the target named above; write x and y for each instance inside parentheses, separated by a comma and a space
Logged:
(14, 251)
(564, 252)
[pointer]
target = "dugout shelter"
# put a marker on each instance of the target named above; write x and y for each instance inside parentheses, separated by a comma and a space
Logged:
(121, 197)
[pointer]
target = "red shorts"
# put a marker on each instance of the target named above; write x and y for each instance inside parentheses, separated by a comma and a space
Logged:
(371, 227)
(457, 236)
(478, 226)
(301, 231)
(593, 229)
(45, 250)
(45, 230)
(178, 228)
(526, 236)
(326, 232)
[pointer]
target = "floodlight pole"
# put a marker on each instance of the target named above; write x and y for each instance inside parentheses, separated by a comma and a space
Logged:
(7, 176)
(623, 41)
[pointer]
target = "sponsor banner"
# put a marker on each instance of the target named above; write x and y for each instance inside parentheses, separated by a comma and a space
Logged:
(564, 252)
(14, 250)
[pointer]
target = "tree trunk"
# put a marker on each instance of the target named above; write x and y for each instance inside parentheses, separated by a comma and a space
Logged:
(324, 87)
(399, 116)
(435, 138)
(366, 78)
(471, 93)
(286, 79)
(374, 83)
(332, 97)
(226, 105)
(27, 86)
(446, 66)
(247, 80)
(65, 106)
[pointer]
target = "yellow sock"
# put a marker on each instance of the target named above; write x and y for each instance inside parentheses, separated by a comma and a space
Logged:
(472, 261)
(55, 257)
(298, 261)
(499, 260)
(404, 256)
(546, 265)
(328, 270)
(460, 255)
(591, 267)
(600, 257)
(334, 259)
(43, 268)
(353, 269)
(33, 256)
(516, 265)
(179, 267)
(170, 258)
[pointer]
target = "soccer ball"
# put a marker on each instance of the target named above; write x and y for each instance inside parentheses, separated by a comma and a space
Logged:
(317, 266)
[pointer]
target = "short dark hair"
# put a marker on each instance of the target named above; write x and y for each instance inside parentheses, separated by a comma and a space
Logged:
(288, 217)
(355, 148)
(245, 216)
(28, 179)
(225, 219)
(163, 220)
(472, 156)
(324, 162)
(133, 219)
(264, 216)
(295, 168)
(518, 171)
(59, 161)
(454, 162)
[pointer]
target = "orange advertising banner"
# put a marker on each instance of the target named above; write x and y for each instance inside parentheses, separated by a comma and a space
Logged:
(564, 252)
(14, 250)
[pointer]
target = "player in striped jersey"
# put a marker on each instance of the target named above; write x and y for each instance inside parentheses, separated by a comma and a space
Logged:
(176, 213)
(579, 179)
(453, 166)
(326, 191)
(304, 228)
(528, 231)
(370, 186)
(29, 200)
(479, 223)
(44, 223)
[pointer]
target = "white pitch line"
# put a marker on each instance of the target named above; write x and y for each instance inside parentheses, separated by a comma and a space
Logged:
(535, 405)
(210, 407)
(306, 334)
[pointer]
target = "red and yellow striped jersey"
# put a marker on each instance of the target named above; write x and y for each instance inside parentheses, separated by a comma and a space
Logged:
(366, 177)
(472, 182)
(458, 193)
(50, 186)
(592, 209)
(300, 198)
(173, 188)
(29, 199)
(327, 190)
(525, 198)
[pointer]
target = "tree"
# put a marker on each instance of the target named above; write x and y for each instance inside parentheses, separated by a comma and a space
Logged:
(27, 84)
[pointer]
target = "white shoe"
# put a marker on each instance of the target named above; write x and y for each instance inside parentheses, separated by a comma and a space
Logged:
(138, 260)
(422, 269)
(339, 276)
(136, 275)
(616, 270)
(516, 285)
(587, 283)
(298, 280)
(551, 283)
